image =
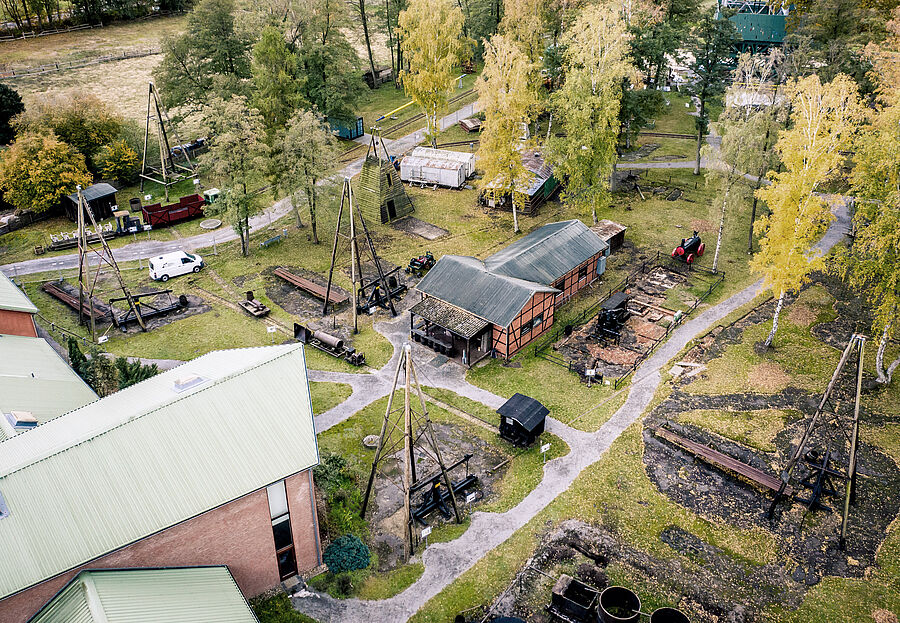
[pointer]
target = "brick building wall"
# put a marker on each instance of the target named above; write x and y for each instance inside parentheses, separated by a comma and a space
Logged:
(237, 534)
(17, 323)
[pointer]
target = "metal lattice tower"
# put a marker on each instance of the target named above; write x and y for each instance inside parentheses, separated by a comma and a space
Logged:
(104, 255)
(417, 434)
(827, 451)
(167, 172)
(351, 234)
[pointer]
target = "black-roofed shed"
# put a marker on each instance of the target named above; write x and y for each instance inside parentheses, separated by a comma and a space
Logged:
(522, 420)
(100, 197)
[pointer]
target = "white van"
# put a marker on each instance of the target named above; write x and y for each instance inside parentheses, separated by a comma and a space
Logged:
(173, 264)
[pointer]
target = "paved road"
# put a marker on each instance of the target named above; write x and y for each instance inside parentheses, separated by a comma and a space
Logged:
(444, 562)
(151, 248)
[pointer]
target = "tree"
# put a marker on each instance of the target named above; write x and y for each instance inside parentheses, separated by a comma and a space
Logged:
(38, 170)
(238, 155)
(507, 100)
(712, 43)
(824, 118)
(276, 78)
(131, 372)
(330, 64)
(637, 108)
(10, 106)
(872, 264)
(523, 24)
(80, 119)
(307, 155)
(588, 104)
(658, 30)
(95, 369)
(365, 24)
(210, 59)
(118, 161)
(430, 34)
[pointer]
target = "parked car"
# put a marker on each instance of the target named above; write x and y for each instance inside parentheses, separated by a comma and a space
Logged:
(163, 267)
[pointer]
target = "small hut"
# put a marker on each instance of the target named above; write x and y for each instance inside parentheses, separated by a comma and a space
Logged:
(522, 420)
(383, 74)
(100, 197)
(610, 232)
(532, 193)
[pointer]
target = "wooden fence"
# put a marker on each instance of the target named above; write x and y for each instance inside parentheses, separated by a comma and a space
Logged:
(22, 72)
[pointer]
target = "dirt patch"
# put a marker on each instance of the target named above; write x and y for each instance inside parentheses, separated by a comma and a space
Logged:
(801, 315)
(388, 524)
(415, 227)
(642, 152)
(768, 377)
(296, 301)
(701, 225)
(709, 587)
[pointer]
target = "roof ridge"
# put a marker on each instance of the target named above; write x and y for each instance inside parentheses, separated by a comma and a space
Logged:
(154, 409)
(536, 242)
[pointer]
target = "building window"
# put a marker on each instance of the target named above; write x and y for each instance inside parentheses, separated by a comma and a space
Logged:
(281, 530)
(537, 320)
(526, 329)
(582, 273)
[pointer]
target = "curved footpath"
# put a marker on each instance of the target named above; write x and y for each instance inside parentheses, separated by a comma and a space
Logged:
(444, 562)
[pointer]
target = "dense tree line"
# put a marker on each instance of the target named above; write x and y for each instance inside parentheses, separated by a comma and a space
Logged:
(36, 15)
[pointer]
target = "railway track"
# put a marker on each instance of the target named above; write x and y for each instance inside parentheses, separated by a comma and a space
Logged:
(268, 321)
(351, 154)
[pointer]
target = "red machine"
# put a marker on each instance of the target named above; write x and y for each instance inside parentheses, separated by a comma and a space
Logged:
(158, 215)
(689, 249)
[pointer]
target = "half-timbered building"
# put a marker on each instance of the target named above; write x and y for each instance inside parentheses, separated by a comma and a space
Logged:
(472, 309)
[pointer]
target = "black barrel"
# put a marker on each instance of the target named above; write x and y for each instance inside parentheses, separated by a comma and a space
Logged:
(619, 605)
(668, 615)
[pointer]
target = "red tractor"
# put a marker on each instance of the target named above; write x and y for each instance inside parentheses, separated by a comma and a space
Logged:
(689, 249)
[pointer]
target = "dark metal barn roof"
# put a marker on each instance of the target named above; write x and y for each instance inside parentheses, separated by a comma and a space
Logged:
(465, 283)
(547, 253)
(454, 319)
(95, 191)
(526, 411)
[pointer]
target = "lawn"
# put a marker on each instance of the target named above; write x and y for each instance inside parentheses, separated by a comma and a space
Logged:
(327, 395)
(756, 429)
(799, 359)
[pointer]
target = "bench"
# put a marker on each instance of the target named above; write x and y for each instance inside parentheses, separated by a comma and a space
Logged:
(265, 244)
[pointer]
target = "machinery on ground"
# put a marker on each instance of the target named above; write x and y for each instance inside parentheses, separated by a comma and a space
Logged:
(689, 249)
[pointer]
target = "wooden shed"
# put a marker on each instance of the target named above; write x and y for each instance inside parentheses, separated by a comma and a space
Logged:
(383, 74)
(522, 420)
(532, 193)
(100, 197)
(610, 232)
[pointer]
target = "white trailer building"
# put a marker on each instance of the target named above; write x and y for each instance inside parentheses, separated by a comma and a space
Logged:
(436, 166)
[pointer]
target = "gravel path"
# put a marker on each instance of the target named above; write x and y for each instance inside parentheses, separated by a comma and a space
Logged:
(444, 562)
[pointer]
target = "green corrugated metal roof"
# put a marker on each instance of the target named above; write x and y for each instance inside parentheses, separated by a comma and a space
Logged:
(547, 253)
(465, 283)
(33, 377)
(148, 457)
(176, 595)
(760, 28)
(12, 298)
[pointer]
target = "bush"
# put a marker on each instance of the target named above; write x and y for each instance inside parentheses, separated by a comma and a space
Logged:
(343, 584)
(118, 161)
(277, 609)
(347, 553)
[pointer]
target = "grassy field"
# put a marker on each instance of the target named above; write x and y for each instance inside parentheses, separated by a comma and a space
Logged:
(327, 395)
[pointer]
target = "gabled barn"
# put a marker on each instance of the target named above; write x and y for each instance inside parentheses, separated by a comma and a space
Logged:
(100, 197)
(473, 308)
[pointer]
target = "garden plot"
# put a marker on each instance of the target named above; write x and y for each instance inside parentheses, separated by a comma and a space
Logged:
(655, 298)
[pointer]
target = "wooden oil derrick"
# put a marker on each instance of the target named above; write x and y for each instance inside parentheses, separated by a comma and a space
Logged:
(86, 284)
(827, 451)
(352, 234)
(382, 196)
(417, 435)
(168, 172)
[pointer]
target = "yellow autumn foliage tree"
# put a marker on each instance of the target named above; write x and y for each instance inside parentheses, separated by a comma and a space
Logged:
(431, 38)
(38, 170)
(824, 119)
(508, 101)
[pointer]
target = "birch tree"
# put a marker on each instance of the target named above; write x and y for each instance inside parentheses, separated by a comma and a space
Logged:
(430, 37)
(507, 100)
(872, 264)
(238, 155)
(824, 118)
(307, 155)
(596, 64)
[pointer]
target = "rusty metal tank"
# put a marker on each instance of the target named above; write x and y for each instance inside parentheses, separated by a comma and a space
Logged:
(619, 605)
